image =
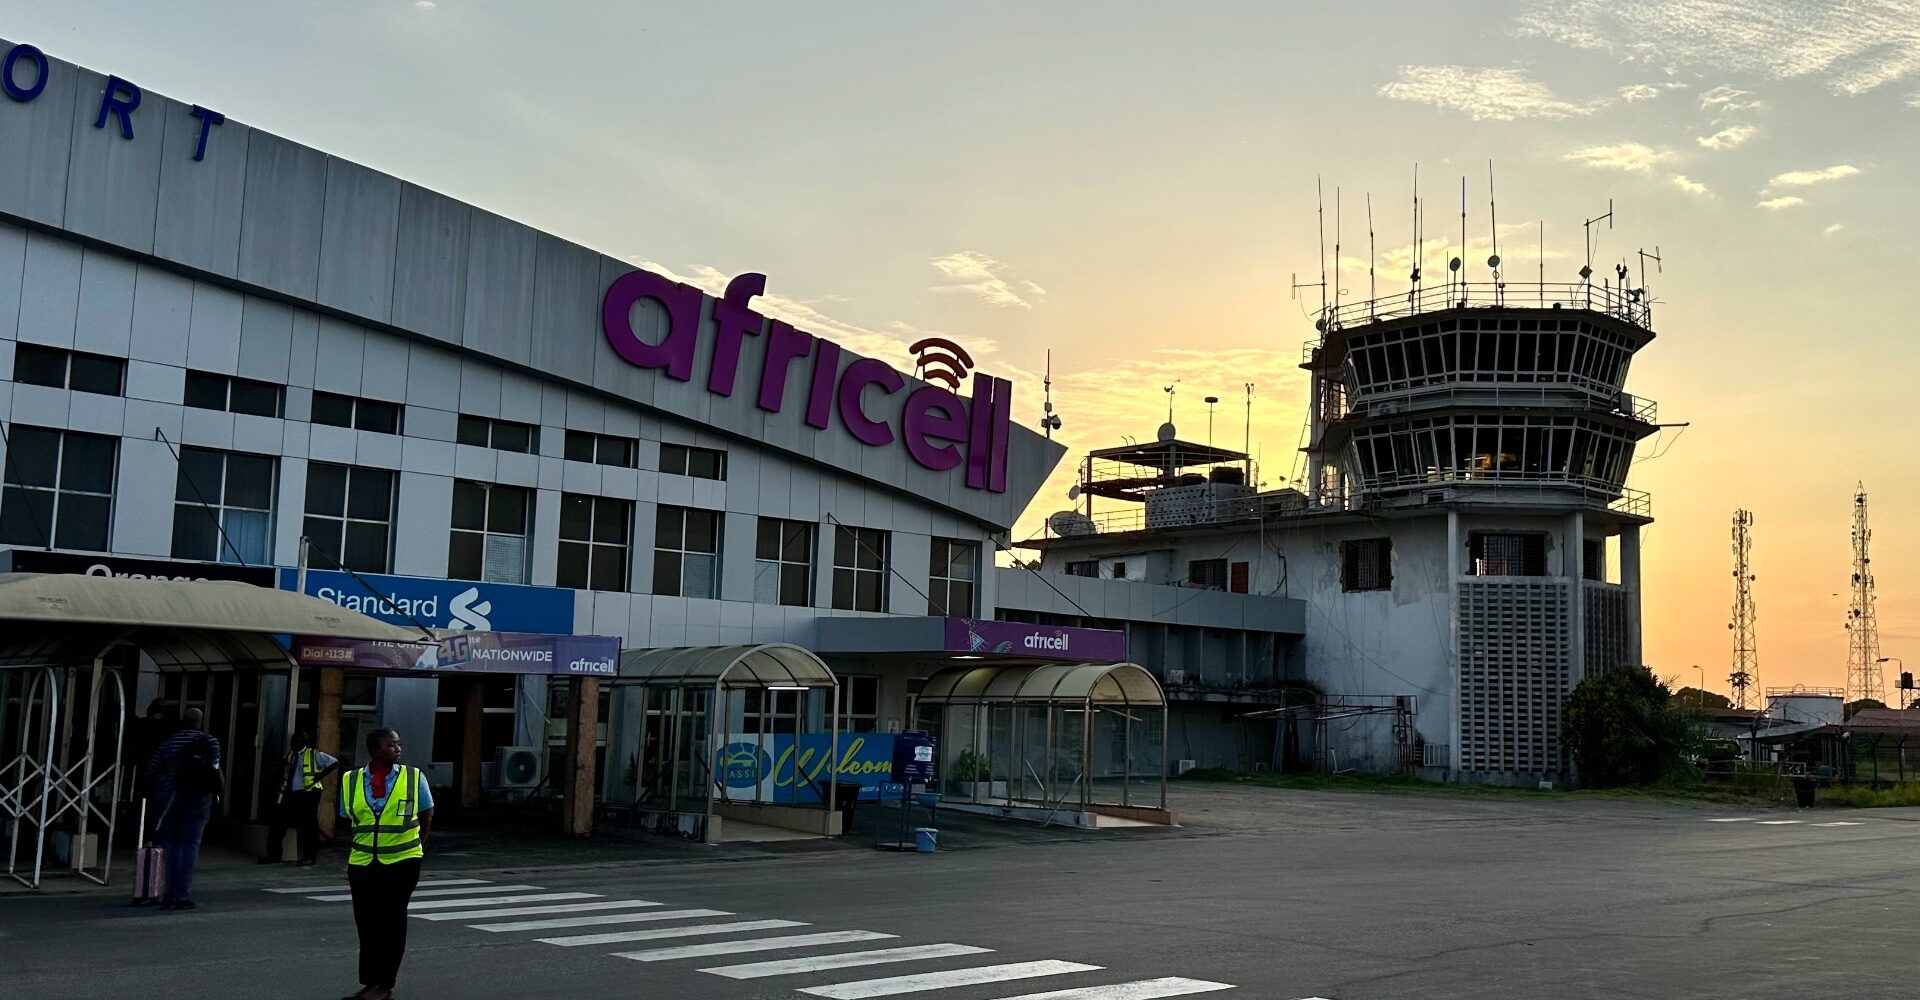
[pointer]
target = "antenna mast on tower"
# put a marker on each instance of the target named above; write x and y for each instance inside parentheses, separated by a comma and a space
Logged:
(1863, 629)
(1746, 660)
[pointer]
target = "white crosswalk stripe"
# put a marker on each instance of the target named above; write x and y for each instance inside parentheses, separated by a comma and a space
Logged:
(427, 884)
(754, 944)
(896, 985)
(534, 911)
(1781, 822)
(663, 933)
(601, 920)
(531, 897)
(1839, 823)
(849, 960)
(1146, 989)
(1732, 819)
(462, 891)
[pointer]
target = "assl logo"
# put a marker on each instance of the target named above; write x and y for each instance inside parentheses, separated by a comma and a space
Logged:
(468, 611)
(742, 765)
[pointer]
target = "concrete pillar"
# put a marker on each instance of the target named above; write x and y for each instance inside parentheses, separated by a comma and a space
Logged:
(472, 712)
(1573, 559)
(1630, 579)
(1456, 564)
(583, 717)
(326, 738)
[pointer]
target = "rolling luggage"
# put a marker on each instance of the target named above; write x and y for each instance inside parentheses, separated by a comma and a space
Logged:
(149, 867)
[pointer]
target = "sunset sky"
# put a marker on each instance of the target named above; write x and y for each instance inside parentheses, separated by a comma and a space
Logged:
(1133, 186)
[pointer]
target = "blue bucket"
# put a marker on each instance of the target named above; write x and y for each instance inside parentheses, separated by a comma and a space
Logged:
(924, 839)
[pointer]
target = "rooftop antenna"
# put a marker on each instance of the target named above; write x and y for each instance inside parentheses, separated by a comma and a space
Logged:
(1419, 249)
(1493, 224)
(1049, 420)
(1373, 290)
(1586, 270)
(1336, 248)
(1459, 263)
(1246, 447)
(1657, 268)
(1543, 262)
(1211, 401)
(1320, 210)
(1169, 391)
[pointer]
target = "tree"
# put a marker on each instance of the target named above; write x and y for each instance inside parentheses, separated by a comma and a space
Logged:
(1626, 728)
(1855, 706)
(1694, 697)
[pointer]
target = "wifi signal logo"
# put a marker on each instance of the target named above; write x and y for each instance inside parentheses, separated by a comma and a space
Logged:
(937, 359)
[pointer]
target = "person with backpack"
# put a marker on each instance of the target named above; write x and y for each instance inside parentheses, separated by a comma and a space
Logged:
(186, 783)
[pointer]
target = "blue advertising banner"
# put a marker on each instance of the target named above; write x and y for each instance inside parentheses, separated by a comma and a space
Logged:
(455, 604)
(470, 653)
(771, 765)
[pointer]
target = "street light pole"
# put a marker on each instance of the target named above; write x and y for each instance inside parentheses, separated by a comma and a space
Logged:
(1906, 693)
(1700, 693)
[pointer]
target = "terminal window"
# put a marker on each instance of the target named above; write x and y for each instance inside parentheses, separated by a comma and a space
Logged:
(223, 507)
(1210, 574)
(686, 552)
(51, 366)
(489, 539)
(952, 568)
(783, 563)
(1366, 564)
(601, 449)
(594, 532)
(208, 391)
(375, 415)
(500, 435)
(58, 489)
(860, 568)
(349, 516)
(1508, 554)
(859, 704)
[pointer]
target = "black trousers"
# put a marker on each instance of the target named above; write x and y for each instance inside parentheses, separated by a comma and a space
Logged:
(301, 812)
(380, 897)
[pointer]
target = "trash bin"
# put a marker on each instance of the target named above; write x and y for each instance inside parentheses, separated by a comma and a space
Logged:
(925, 838)
(1803, 792)
(844, 799)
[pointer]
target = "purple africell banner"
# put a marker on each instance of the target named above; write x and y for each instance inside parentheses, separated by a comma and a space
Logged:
(1050, 642)
(940, 430)
(469, 653)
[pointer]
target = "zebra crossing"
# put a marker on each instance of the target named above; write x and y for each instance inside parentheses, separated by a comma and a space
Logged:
(642, 930)
(1757, 821)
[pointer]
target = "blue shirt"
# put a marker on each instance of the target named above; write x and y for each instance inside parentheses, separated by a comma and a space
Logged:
(379, 802)
(164, 764)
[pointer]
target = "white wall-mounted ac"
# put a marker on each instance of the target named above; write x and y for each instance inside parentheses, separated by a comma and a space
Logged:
(1176, 678)
(1183, 765)
(522, 767)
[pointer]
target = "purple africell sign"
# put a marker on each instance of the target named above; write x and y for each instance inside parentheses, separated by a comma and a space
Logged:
(1050, 642)
(940, 430)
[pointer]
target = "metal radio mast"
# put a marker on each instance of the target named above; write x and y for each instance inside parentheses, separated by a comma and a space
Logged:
(1746, 659)
(1863, 630)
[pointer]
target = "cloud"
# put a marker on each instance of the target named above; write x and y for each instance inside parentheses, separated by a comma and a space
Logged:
(1913, 100)
(1804, 178)
(1728, 138)
(1851, 47)
(1776, 204)
(1725, 100)
(1689, 185)
(973, 273)
(1633, 157)
(425, 4)
(1488, 94)
(1639, 92)
(1830, 230)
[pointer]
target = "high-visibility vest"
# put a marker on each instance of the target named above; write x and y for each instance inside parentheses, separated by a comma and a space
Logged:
(309, 772)
(392, 834)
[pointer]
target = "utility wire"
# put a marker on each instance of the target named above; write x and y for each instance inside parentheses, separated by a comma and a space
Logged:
(200, 497)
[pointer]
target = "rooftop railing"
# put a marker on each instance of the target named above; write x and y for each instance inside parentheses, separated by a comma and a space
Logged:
(1595, 397)
(1626, 305)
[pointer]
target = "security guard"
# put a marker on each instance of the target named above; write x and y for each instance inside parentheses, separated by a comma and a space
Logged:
(389, 810)
(298, 804)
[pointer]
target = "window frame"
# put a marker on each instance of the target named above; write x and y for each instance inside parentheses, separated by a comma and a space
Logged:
(661, 513)
(591, 550)
(1531, 558)
(861, 539)
(942, 587)
(678, 460)
(215, 500)
(347, 519)
(12, 489)
(487, 531)
(1366, 565)
(493, 426)
(598, 446)
(227, 384)
(780, 563)
(1197, 578)
(67, 359)
(356, 410)
(844, 702)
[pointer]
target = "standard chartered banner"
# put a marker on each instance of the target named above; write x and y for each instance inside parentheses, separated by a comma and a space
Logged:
(470, 653)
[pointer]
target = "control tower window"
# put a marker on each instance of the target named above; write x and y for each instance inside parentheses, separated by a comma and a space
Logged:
(1366, 564)
(1508, 554)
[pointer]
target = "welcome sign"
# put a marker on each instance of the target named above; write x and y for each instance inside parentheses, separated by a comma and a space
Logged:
(774, 768)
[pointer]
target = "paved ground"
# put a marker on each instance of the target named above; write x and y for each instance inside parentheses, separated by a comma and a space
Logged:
(1276, 894)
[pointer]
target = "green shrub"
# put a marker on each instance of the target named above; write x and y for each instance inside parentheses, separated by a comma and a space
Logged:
(1625, 729)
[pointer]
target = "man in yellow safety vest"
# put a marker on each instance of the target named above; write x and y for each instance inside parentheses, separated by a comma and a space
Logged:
(388, 809)
(298, 804)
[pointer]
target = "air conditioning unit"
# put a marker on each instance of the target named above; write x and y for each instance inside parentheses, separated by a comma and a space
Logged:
(1184, 765)
(522, 767)
(1176, 678)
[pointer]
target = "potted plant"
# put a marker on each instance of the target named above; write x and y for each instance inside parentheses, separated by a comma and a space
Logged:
(973, 774)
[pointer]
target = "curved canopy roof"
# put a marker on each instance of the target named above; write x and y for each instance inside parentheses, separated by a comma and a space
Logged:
(1095, 683)
(776, 664)
(57, 619)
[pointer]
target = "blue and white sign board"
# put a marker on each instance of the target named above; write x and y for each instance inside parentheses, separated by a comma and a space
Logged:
(766, 766)
(455, 604)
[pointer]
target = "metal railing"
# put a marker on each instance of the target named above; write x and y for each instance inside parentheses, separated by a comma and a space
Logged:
(1628, 306)
(1597, 397)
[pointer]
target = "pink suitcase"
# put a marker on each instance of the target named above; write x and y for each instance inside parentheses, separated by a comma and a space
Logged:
(149, 867)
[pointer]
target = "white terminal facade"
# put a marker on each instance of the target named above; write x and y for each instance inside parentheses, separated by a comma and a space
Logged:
(501, 429)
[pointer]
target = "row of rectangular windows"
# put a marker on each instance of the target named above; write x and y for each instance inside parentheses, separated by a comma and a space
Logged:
(58, 490)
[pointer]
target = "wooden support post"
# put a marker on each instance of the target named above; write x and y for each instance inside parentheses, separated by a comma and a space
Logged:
(472, 714)
(583, 718)
(326, 738)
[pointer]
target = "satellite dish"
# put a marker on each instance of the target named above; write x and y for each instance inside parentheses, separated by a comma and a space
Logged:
(1454, 264)
(1073, 492)
(1493, 261)
(1320, 324)
(1166, 432)
(1585, 272)
(1069, 523)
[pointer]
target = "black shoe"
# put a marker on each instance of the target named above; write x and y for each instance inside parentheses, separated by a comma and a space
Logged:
(185, 904)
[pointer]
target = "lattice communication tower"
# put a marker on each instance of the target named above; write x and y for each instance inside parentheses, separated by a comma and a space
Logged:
(1745, 678)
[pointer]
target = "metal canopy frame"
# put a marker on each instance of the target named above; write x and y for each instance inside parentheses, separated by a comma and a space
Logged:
(724, 671)
(1074, 698)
